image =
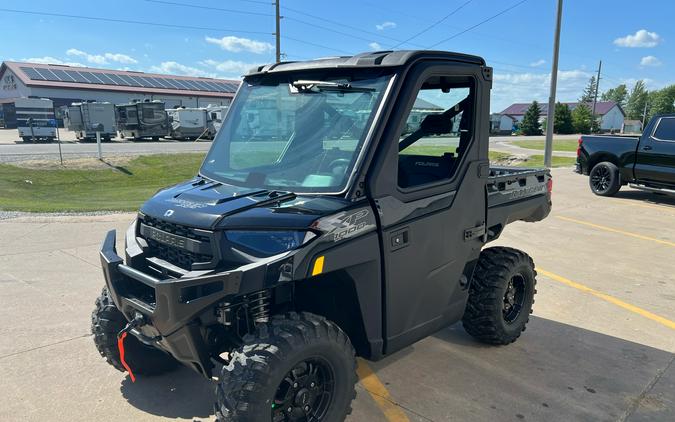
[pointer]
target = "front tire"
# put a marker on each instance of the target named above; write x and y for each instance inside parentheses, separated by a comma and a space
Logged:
(106, 322)
(604, 179)
(296, 367)
(501, 296)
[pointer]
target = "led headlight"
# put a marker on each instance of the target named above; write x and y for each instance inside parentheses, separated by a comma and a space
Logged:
(269, 242)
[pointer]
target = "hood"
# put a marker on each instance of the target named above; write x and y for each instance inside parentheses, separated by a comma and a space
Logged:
(205, 204)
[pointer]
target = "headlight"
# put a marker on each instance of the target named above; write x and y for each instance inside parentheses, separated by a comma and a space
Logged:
(269, 242)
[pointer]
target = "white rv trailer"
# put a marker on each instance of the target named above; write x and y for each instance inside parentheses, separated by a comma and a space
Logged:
(35, 119)
(85, 119)
(188, 123)
(216, 114)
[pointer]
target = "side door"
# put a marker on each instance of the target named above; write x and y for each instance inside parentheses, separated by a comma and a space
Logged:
(430, 195)
(655, 160)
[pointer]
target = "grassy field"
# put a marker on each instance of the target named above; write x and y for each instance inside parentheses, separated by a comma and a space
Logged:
(126, 186)
(558, 144)
(123, 188)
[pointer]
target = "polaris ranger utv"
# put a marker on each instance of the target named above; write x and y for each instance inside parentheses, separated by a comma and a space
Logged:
(341, 211)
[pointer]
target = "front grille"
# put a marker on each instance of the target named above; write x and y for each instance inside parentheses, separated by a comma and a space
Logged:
(172, 254)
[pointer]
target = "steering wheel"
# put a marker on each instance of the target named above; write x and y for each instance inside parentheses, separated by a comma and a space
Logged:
(335, 165)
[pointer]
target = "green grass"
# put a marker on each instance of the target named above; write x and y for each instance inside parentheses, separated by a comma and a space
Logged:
(558, 144)
(126, 187)
(123, 188)
(538, 161)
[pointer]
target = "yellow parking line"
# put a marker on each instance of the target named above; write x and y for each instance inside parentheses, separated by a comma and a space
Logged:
(379, 393)
(613, 230)
(611, 299)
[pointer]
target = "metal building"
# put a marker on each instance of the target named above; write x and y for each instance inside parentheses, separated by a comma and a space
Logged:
(65, 85)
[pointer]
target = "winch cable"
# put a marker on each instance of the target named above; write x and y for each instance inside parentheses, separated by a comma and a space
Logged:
(138, 320)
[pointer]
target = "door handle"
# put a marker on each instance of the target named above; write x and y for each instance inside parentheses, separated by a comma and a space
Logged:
(400, 239)
(647, 147)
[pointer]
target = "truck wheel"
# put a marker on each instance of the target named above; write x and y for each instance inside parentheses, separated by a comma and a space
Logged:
(605, 179)
(501, 296)
(106, 322)
(296, 367)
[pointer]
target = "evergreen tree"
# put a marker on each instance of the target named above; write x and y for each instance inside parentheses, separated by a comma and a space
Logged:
(589, 91)
(530, 124)
(562, 122)
(582, 118)
(635, 105)
(618, 95)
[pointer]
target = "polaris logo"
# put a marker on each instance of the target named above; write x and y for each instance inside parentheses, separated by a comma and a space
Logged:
(166, 238)
(168, 213)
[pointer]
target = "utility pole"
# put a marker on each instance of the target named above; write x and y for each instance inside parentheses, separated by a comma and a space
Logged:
(644, 116)
(550, 115)
(277, 34)
(597, 87)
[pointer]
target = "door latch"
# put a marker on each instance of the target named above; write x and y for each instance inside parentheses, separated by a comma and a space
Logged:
(400, 239)
(474, 232)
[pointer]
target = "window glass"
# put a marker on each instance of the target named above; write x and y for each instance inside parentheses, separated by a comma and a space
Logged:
(437, 132)
(666, 129)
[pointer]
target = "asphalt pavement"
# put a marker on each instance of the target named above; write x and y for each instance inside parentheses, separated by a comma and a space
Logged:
(599, 347)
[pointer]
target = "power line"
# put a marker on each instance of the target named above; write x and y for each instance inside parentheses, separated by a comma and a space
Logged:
(478, 24)
(317, 45)
(438, 22)
(194, 6)
(165, 25)
(346, 34)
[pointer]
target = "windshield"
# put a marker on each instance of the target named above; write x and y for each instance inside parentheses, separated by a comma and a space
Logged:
(295, 136)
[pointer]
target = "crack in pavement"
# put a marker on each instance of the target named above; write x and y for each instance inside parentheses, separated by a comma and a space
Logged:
(43, 346)
(636, 403)
(398, 404)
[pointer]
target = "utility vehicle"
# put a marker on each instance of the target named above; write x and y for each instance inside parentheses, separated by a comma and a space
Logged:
(325, 223)
(646, 162)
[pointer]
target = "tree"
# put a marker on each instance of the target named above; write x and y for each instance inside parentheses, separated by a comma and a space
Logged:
(562, 119)
(661, 101)
(589, 92)
(618, 95)
(530, 124)
(635, 105)
(582, 118)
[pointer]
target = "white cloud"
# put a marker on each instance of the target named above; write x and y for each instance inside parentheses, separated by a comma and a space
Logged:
(641, 38)
(375, 46)
(176, 68)
(237, 44)
(650, 61)
(538, 63)
(230, 68)
(385, 25)
(51, 60)
(102, 58)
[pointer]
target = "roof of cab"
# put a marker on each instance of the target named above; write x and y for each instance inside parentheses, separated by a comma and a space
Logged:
(375, 59)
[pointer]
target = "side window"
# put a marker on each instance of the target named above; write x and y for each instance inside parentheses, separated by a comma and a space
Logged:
(665, 131)
(437, 132)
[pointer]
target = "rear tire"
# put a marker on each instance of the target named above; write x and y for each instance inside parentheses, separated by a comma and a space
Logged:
(106, 322)
(285, 369)
(501, 296)
(604, 179)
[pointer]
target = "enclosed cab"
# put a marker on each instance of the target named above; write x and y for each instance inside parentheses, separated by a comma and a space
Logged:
(332, 217)
(188, 123)
(85, 119)
(35, 119)
(142, 120)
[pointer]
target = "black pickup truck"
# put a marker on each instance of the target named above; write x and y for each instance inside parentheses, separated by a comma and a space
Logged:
(646, 162)
(331, 217)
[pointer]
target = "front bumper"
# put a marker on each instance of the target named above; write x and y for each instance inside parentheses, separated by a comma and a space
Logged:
(176, 306)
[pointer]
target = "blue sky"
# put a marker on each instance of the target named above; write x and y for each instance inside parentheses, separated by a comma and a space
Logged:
(633, 42)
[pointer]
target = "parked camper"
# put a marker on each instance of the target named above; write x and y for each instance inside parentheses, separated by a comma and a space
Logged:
(188, 123)
(142, 120)
(35, 119)
(215, 115)
(85, 118)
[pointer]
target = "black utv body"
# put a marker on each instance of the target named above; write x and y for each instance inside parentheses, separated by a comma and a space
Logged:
(341, 210)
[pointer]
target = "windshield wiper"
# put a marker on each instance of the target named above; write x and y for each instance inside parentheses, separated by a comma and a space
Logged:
(313, 86)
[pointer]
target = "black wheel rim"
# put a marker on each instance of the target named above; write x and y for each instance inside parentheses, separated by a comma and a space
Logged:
(514, 297)
(601, 178)
(305, 393)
